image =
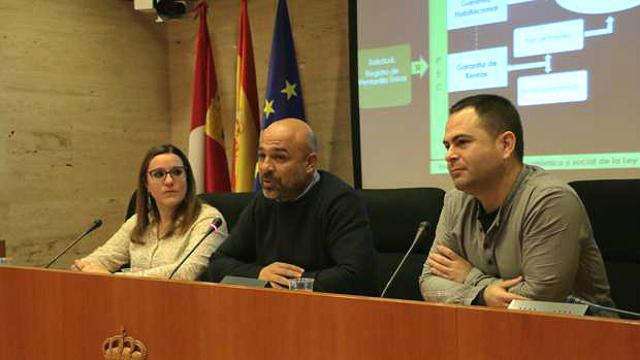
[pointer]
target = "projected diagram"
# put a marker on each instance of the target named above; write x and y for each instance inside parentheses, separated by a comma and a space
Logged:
(532, 52)
(570, 67)
(553, 58)
(489, 68)
(384, 74)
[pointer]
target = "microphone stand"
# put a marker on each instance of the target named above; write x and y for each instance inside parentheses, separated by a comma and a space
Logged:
(421, 228)
(96, 224)
(213, 227)
(577, 300)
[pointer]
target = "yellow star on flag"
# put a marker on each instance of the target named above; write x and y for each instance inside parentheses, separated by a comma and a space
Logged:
(268, 108)
(289, 89)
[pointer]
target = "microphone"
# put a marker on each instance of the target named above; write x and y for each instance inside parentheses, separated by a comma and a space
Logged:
(576, 300)
(96, 224)
(213, 227)
(421, 229)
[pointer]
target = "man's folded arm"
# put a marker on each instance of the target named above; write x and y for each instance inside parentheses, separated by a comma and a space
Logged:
(437, 289)
(551, 240)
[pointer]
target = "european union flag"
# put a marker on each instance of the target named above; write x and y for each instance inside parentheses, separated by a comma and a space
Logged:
(284, 92)
(283, 98)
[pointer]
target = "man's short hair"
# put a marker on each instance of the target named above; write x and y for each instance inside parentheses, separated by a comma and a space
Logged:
(497, 115)
(313, 141)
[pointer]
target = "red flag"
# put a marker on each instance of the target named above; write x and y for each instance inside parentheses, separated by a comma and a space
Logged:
(247, 127)
(206, 140)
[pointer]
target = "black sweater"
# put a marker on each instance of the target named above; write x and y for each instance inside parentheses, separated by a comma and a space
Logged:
(326, 232)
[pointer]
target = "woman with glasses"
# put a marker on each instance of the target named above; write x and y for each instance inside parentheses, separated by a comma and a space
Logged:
(168, 222)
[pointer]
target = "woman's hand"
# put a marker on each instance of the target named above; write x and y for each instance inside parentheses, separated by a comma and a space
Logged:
(79, 265)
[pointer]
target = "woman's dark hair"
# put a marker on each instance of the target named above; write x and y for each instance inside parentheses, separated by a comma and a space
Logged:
(146, 207)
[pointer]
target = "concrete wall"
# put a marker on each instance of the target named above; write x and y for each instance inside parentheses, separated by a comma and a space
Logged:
(83, 94)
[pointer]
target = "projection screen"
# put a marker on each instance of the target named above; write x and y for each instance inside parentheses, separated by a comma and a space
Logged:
(572, 68)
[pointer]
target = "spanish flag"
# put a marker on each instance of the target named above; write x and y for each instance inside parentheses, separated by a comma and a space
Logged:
(206, 140)
(247, 121)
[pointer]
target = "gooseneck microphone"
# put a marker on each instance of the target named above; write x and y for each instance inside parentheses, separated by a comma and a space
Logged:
(576, 300)
(96, 224)
(421, 229)
(213, 227)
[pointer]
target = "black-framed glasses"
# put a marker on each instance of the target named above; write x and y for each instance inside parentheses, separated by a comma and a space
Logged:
(176, 172)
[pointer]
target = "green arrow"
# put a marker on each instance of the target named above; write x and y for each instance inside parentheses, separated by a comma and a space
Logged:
(419, 66)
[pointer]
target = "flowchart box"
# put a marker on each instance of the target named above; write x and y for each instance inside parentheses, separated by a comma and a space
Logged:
(478, 69)
(564, 87)
(597, 6)
(384, 76)
(465, 13)
(549, 38)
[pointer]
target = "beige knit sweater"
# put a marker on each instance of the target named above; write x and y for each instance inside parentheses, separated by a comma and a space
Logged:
(157, 257)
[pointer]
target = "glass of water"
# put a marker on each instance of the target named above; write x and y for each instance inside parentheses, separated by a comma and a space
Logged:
(301, 284)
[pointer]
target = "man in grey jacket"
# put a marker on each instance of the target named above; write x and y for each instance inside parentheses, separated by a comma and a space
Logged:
(508, 230)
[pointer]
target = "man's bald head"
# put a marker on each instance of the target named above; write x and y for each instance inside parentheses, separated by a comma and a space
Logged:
(296, 131)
